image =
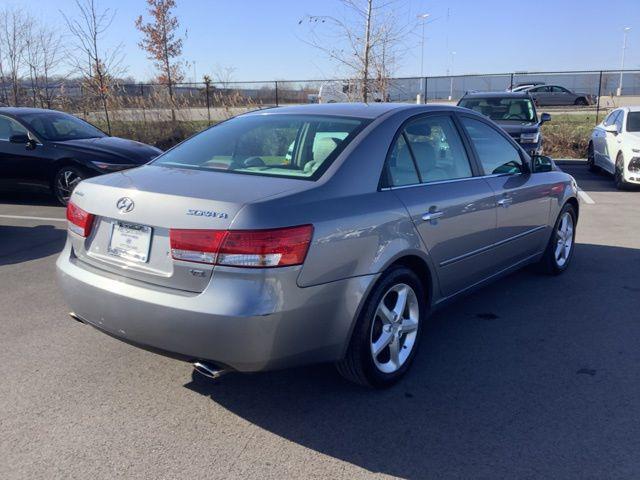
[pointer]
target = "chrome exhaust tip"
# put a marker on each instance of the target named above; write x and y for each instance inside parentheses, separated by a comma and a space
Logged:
(209, 370)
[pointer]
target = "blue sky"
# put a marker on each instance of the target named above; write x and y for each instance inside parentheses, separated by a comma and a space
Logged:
(260, 39)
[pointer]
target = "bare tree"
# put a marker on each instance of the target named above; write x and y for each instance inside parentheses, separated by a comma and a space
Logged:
(13, 26)
(163, 44)
(97, 66)
(51, 51)
(367, 42)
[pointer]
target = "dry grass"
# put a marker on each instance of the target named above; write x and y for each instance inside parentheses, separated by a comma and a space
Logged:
(567, 135)
(162, 134)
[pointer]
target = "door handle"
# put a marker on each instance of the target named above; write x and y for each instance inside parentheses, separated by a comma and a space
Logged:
(431, 216)
(505, 202)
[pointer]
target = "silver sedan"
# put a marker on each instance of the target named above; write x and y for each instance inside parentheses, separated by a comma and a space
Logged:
(318, 233)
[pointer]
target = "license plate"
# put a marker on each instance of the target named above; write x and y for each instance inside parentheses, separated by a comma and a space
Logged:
(130, 241)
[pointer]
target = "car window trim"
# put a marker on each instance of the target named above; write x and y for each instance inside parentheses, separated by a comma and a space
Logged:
(525, 163)
(386, 175)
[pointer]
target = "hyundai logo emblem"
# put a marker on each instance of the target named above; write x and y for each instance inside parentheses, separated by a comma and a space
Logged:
(125, 205)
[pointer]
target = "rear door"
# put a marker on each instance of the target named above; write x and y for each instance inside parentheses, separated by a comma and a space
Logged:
(452, 208)
(523, 200)
(542, 95)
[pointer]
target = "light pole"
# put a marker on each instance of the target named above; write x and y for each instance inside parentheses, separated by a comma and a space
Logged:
(423, 17)
(624, 48)
(453, 55)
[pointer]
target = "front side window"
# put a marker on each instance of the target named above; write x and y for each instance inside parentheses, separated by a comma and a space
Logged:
(59, 127)
(502, 109)
(496, 154)
(611, 118)
(619, 120)
(633, 122)
(9, 127)
(298, 146)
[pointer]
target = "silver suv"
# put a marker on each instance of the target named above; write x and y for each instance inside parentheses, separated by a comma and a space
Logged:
(318, 233)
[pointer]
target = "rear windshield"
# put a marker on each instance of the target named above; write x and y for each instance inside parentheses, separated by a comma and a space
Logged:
(502, 109)
(297, 146)
(633, 122)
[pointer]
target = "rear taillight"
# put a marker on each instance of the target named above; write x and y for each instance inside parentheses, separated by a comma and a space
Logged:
(79, 221)
(243, 248)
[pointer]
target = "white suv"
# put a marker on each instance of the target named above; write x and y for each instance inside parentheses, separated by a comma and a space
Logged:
(615, 146)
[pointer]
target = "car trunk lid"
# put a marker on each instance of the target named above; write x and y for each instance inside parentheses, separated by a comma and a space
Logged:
(134, 211)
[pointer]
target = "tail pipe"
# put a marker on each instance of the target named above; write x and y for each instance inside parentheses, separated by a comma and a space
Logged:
(209, 369)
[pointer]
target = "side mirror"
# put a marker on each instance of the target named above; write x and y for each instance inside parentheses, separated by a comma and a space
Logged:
(28, 142)
(545, 117)
(611, 129)
(541, 163)
(20, 138)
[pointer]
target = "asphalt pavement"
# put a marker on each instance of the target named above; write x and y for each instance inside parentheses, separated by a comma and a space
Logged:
(531, 377)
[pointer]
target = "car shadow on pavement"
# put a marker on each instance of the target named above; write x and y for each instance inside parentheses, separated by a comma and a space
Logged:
(26, 198)
(21, 244)
(528, 377)
(588, 181)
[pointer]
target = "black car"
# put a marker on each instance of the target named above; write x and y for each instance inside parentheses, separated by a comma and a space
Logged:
(47, 149)
(515, 112)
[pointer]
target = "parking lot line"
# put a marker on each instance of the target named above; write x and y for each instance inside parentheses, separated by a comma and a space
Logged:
(43, 219)
(585, 197)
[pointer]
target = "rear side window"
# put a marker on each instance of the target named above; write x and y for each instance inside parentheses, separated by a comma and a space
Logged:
(429, 149)
(400, 165)
(437, 149)
(495, 153)
(297, 146)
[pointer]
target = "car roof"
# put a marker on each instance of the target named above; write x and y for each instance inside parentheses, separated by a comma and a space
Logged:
(17, 111)
(518, 94)
(356, 110)
(632, 108)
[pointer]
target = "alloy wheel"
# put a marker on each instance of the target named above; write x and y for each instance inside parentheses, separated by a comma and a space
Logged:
(395, 327)
(66, 181)
(564, 239)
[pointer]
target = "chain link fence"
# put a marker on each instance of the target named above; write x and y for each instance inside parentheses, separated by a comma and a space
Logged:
(154, 113)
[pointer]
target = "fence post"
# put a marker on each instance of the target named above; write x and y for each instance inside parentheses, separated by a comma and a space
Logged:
(426, 79)
(207, 82)
(277, 104)
(511, 81)
(599, 93)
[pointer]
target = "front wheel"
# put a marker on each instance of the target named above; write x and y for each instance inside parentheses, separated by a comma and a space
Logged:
(65, 181)
(385, 339)
(582, 102)
(559, 251)
(618, 176)
(591, 159)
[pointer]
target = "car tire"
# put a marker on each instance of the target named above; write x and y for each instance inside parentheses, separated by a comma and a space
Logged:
(591, 160)
(618, 176)
(559, 252)
(581, 101)
(65, 180)
(382, 330)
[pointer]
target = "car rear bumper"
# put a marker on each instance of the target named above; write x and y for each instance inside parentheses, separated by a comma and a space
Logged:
(248, 320)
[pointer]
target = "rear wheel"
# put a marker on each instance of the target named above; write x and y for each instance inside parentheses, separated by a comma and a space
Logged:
(559, 251)
(618, 176)
(64, 182)
(385, 339)
(581, 101)
(591, 160)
